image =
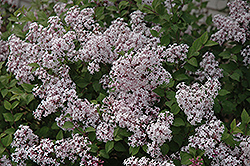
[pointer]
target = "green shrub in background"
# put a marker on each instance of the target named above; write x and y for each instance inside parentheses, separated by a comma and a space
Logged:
(125, 83)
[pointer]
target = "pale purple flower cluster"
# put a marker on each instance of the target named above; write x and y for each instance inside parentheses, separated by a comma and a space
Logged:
(133, 161)
(131, 80)
(59, 8)
(235, 26)
(196, 162)
(209, 68)
(46, 152)
(207, 136)
(225, 156)
(4, 161)
(245, 53)
(245, 148)
(197, 100)
(4, 49)
(98, 47)
(176, 53)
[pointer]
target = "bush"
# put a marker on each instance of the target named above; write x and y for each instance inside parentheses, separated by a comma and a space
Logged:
(125, 83)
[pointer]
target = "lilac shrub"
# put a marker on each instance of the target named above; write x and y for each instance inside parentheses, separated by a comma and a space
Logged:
(119, 85)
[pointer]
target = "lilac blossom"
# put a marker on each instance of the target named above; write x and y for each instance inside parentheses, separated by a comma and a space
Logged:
(29, 147)
(209, 68)
(132, 161)
(235, 26)
(5, 161)
(207, 136)
(197, 100)
(245, 53)
(176, 53)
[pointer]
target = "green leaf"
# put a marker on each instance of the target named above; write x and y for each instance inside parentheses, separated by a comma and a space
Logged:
(14, 97)
(10, 131)
(4, 92)
(68, 125)
(236, 130)
(123, 4)
(104, 154)
(2, 149)
(2, 135)
(236, 49)
(159, 92)
(125, 133)
(225, 55)
(29, 98)
(203, 39)
(109, 146)
(164, 149)
(185, 158)
(155, 3)
(27, 87)
(59, 135)
(1, 65)
(92, 136)
(7, 105)
(145, 148)
(14, 104)
(94, 148)
(235, 76)
(223, 92)
(97, 86)
(175, 109)
(230, 141)
(245, 117)
(100, 97)
(118, 138)
(6, 141)
(112, 8)
(12, 83)
(33, 65)
(192, 151)
(134, 150)
(165, 40)
(154, 33)
(193, 61)
(90, 129)
(178, 122)
(181, 77)
(160, 9)
(211, 43)
(197, 44)
(16, 90)
(119, 147)
(17, 116)
(233, 124)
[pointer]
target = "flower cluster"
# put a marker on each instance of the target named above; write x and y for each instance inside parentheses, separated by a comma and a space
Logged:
(235, 26)
(207, 136)
(4, 50)
(28, 147)
(132, 161)
(245, 148)
(245, 53)
(197, 100)
(196, 162)
(209, 68)
(176, 53)
(5, 161)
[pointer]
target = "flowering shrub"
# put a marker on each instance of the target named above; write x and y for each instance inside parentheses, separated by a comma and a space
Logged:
(125, 82)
